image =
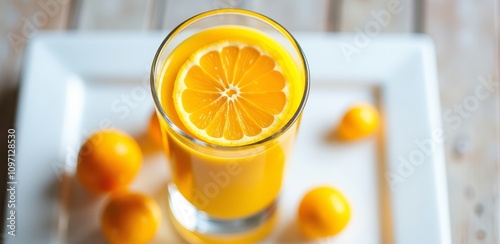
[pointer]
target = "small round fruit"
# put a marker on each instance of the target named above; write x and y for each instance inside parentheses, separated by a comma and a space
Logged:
(130, 218)
(109, 160)
(359, 121)
(154, 130)
(323, 212)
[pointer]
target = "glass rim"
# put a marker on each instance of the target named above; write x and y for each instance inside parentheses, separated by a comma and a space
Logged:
(249, 13)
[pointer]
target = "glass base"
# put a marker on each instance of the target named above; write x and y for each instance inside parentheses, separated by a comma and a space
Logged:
(198, 227)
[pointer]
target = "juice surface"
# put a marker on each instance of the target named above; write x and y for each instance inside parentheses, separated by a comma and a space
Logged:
(238, 183)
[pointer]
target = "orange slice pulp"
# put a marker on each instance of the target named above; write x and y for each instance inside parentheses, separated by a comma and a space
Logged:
(232, 93)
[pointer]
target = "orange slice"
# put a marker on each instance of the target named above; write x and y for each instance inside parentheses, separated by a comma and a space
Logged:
(231, 94)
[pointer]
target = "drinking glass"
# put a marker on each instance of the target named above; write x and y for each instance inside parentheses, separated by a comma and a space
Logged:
(223, 193)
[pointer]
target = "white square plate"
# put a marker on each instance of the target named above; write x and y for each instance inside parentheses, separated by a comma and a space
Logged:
(76, 83)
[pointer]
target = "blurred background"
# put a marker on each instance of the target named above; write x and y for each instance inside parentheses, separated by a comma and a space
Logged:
(465, 33)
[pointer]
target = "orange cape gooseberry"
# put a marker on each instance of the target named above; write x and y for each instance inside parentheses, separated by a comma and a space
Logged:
(109, 160)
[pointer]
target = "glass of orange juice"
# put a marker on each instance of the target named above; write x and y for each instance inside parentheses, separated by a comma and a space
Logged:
(229, 87)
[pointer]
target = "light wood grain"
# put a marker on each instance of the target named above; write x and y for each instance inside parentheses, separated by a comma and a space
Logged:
(464, 35)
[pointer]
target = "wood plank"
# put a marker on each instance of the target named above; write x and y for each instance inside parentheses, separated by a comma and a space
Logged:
(295, 15)
(21, 21)
(464, 35)
(358, 14)
(113, 15)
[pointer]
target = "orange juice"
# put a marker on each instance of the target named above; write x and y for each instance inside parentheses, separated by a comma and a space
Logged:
(229, 99)
(242, 183)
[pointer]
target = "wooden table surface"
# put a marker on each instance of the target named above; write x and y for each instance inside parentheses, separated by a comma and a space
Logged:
(464, 33)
